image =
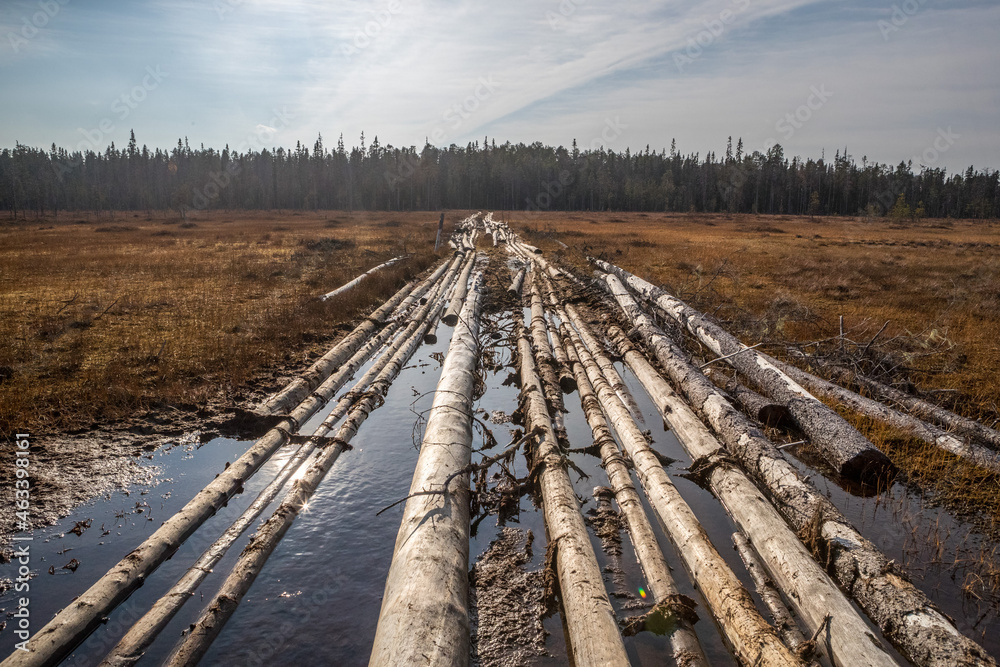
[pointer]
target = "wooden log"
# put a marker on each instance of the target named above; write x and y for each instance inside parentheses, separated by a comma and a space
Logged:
(925, 410)
(761, 408)
(753, 641)
(424, 617)
(593, 636)
(418, 295)
(131, 647)
(547, 367)
(685, 647)
(808, 588)
(517, 283)
(849, 452)
(451, 313)
(780, 614)
(346, 287)
(196, 643)
(907, 618)
(608, 369)
(431, 336)
(972, 453)
(566, 380)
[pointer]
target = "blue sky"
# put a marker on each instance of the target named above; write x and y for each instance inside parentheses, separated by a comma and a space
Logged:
(888, 79)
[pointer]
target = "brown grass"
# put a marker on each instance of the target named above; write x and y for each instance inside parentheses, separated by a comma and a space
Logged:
(99, 318)
(937, 283)
(788, 279)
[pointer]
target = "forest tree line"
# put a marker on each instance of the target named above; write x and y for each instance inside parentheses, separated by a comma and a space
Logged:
(482, 176)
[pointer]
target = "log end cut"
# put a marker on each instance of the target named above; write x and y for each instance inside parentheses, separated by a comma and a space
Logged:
(870, 467)
(567, 383)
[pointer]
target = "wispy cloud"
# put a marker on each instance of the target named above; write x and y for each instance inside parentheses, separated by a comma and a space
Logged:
(523, 70)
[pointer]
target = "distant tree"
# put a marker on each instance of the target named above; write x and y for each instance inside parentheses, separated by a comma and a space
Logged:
(813, 203)
(900, 211)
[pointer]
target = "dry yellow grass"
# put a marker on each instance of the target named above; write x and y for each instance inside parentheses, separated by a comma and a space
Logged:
(788, 279)
(101, 317)
(937, 283)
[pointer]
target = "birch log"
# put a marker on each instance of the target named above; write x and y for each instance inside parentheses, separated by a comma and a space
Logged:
(770, 595)
(926, 410)
(685, 648)
(132, 646)
(451, 313)
(593, 633)
(517, 283)
(346, 287)
(764, 410)
(424, 618)
(905, 615)
(849, 452)
(808, 588)
(192, 648)
(547, 367)
(418, 294)
(753, 641)
(907, 423)
(59, 636)
(567, 382)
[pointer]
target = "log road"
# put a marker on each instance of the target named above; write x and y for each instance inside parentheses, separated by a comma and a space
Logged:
(824, 584)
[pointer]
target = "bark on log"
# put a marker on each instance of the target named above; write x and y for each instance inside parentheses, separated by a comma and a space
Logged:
(567, 382)
(808, 588)
(770, 595)
(133, 645)
(594, 637)
(517, 283)
(418, 294)
(753, 641)
(848, 451)
(547, 367)
(685, 648)
(607, 367)
(926, 410)
(145, 630)
(907, 618)
(431, 336)
(451, 313)
(907, 423)
(424, 617)
(764, 410)
(196, 643)
(354, 283)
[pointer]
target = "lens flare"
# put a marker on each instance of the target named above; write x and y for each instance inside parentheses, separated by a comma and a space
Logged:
(642, 592)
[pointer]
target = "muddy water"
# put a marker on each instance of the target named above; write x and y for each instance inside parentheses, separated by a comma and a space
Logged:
(317, 600)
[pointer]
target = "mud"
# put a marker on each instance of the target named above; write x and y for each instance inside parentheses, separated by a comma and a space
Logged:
(506, 603)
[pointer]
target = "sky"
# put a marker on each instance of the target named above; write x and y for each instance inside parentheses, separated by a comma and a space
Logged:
(886, 80)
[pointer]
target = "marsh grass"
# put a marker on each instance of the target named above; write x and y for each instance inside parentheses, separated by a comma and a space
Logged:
(99, 320)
